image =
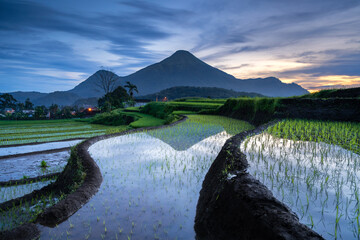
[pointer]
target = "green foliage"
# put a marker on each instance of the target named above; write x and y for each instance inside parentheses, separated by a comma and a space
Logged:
(114, 99)
(255, 110)
(344, 134)
(40, 112)
(157, 109)
(43, 164)
(113, 118)
(28, 105)
(7, 101)
(131, 88)
(335, 93)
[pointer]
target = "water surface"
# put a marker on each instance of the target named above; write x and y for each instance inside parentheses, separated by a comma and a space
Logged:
(151, 184)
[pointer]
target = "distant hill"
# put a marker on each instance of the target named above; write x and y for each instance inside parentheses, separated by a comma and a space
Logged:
(211, 92)
(60, 98)
(335, 93)
(22, 96)
(180, 69)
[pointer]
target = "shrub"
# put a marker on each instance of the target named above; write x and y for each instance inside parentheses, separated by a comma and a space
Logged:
(159, 110)
(114, 118)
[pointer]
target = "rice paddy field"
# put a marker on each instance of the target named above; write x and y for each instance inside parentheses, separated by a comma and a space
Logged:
(151, 182)
(152, 179)
(22, 132)
(313, 167)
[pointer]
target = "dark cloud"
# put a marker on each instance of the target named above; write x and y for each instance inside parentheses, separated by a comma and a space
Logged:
(42, 35)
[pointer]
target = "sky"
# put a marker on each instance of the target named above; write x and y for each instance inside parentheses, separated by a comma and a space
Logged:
(54, 45)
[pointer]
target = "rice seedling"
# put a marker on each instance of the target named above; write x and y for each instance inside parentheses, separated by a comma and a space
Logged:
(21, 132)
(313, 167)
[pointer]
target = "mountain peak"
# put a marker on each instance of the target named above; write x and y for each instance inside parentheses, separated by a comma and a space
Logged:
(181, 56)
(183, 53)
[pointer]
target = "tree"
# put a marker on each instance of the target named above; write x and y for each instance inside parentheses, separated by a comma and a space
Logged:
(114, 99)
(40, 111)
(106, 80)
(53, 109)
(131, 88)
(66, 112)
(29, 105)
(20, 106)
(7, 101)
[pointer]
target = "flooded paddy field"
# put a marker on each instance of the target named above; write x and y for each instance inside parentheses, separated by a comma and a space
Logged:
(319, 181)
(151, 182)
(17, 173)
(6, 152)
(29, 166)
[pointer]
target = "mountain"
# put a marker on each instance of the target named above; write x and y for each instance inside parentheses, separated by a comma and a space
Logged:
(180, 69)
(183, 92)
(59, 97)
(89, 88)
(184, 69)
(22, 96)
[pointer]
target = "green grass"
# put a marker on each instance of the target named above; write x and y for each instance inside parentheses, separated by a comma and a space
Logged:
(231, 126)
(344, 134)
(194, 106)
(137, 109)
(180, 112)
(145, 120)
(19, 132)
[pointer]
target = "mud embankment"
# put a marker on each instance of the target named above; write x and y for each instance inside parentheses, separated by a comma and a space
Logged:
(234, 205)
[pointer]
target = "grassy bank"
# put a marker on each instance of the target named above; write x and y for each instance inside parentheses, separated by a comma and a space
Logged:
(254, 110)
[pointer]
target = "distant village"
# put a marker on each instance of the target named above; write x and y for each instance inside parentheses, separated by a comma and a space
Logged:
(11, 109)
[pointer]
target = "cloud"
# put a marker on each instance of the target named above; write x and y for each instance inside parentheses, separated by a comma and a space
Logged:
(247, 38)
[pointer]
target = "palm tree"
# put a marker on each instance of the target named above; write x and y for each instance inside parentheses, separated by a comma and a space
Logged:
(131, 88)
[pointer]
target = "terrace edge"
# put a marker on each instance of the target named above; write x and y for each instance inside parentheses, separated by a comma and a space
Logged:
(61, 211)
(234, 205)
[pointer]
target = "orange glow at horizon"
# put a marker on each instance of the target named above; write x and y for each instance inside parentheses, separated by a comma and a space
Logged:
(314, 83)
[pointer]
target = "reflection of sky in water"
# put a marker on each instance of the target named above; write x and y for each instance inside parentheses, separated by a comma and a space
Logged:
(8, 193)
(150, 188)
(186, 134)
(29, 166)
(37, 147)
(312, 179)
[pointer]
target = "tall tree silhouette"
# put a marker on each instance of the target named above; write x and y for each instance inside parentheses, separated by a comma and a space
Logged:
(106, 80)
(131, 88)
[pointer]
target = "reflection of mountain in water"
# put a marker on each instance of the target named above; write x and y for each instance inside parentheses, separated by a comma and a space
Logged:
(184, 135)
